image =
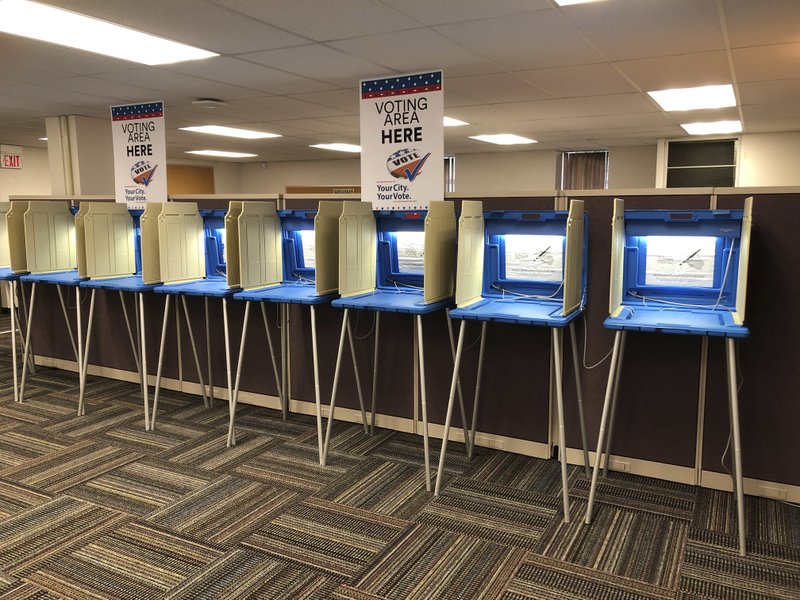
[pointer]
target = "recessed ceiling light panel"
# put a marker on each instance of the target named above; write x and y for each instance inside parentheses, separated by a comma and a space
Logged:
(451, 122)
(67, 28)
(571, 2)
(711, 128)
(247, 134)
(503, 139)
(222, 153)
(338, 147)
(695, 98)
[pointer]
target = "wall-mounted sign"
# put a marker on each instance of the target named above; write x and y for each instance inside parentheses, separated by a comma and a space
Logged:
(402, 141)
(11, 157)
(140, 153)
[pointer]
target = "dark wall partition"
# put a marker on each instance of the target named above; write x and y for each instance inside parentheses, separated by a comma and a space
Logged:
(658, 409)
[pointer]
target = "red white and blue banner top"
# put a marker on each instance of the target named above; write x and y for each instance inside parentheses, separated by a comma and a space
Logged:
(129, 112)
(398, 86)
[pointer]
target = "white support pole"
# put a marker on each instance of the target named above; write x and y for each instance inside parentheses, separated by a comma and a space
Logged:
(12, 293)
(27, 345)
(345, 321)
(66, 320)
(736, 443)
(424, 402)
(32, 365)
(478, 385)
(278, 382)
(317, 392)
(603, 420)
(234, 398)
(194, 350)
(208, 352)
(128, 325)
(375, 372)
(79, 355)
(450, 402)
(579, 394)
(143, 363)
(226, 332)
(85, 358)
(562, 438)
(464, 424)
(614, 403)
(157, 389)
(358, 377)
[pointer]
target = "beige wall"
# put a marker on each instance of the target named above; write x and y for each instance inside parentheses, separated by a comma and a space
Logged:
(769, 159)
(633, 167)
(227, 178)
(32, 178)
(506, 172)
(273, 177)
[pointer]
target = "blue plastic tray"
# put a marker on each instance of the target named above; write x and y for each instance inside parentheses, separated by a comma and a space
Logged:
(212, 288)
(70, 278)
(131, 283)
(287, 293)
(406, 301)
(521, 312)
(684, 321)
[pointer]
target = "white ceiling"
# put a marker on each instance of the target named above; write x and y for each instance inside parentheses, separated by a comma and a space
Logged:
(573, 77)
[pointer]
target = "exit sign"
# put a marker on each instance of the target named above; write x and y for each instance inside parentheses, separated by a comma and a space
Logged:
(11, 157)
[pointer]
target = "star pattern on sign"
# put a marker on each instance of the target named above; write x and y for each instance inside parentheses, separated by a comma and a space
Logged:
(396, 86)
(146, 110)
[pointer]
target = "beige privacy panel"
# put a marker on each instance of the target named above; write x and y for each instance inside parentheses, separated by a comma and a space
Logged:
(744, 260)
(232, 275)
(80, 238)
(358, 244)
(440, 251)
(617, 257)
(15, 226)
(5, 252)
(469, 271)
(573, 261)
(326, 247)
(181, 243)
(107, 238)
(50, 237)
(148, 231)
(260, 247)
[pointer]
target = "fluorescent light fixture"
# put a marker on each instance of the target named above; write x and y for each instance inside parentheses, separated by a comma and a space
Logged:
(222, 153)
(247, 134)
(66, 28)
(451, 122)
(571, 2)
(44, 139)
(338, 147)
(706, 96)
(712, 127)
(503, 139)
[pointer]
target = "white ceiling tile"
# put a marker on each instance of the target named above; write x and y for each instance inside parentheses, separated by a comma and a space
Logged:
(772, 124)
(323, 21)
(296, 108)
(580, 80)
(629, 30)
(763, 22)
(532, 40)
(421, 50)
(684, 70)
(174, 84)
(456, 11)
(67, 61)
(782, 110)
(494, 89)
(22, 73)
(762, 63)
(768, 92)
(346, 100)
(103, 87)
(321, 63)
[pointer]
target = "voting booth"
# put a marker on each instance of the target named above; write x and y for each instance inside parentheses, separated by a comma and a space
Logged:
(287, 257)
(678, 272)
(525, 268)
(395, 261)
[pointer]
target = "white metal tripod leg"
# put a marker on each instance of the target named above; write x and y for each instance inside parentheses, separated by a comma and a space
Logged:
(157, 389)
(278, 382)
(375, 372)
(194, 351)
(479, 376)
(130, 330)
(24, 302)
(614, 404)
(317, 392)
(358, 377)
(234, 397)
(464, 424)
(12, 288)
(345, 321)
(450, 401)
(143, 363)
(226, 332)
(424, 402)
(85, 358)
(75, 350)
(579, 394)
(208, 352)
(733, 399)
(562, 438)
(603, 420)
(27, 345)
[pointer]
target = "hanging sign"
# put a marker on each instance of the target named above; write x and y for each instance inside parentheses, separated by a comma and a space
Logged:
(402, 141)
(140, 153)
(11, 157)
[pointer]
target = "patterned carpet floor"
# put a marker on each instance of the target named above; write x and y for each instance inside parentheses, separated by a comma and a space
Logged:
(95, 507)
